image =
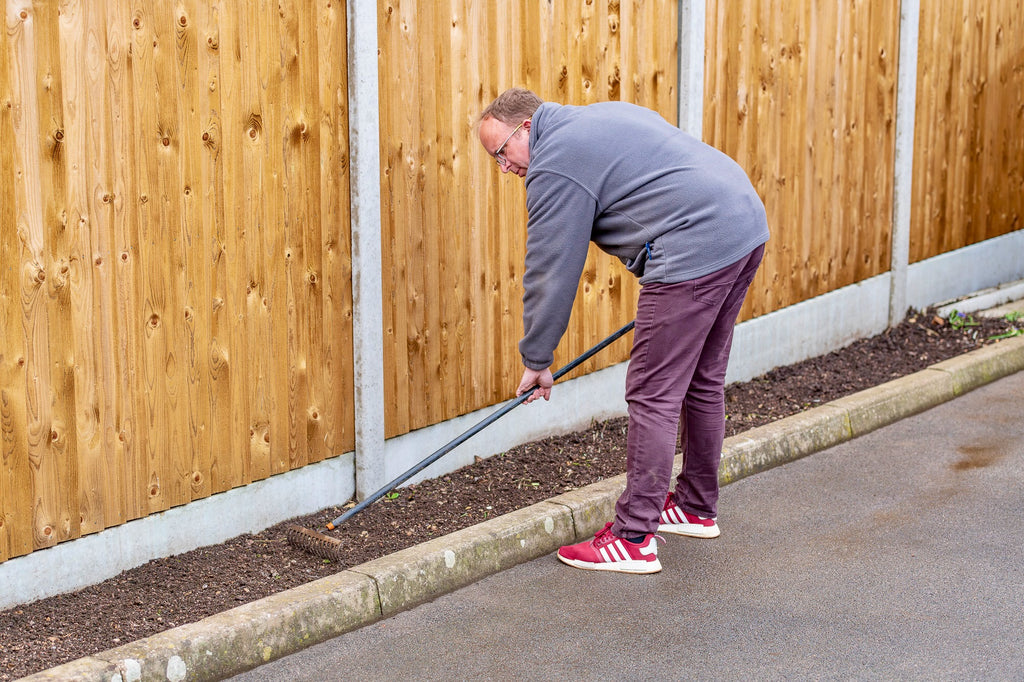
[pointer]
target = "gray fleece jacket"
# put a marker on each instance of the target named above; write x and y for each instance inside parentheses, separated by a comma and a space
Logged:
(669, 206)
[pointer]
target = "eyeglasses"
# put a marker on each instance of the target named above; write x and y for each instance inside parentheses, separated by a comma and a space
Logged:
(498, 156)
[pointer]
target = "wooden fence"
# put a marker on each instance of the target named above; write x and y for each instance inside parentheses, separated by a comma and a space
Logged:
(968, 146)
(175, 267)
(175, 282)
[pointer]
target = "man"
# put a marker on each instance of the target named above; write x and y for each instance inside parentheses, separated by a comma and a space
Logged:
(684, 218)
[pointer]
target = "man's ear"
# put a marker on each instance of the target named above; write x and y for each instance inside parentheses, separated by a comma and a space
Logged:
(526, 124)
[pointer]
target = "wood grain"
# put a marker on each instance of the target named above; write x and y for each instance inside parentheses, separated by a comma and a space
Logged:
(802, 95)
(176, 303)
(968, 151)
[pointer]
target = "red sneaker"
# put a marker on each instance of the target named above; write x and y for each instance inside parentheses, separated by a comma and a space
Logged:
(675, 520)
(608, 552)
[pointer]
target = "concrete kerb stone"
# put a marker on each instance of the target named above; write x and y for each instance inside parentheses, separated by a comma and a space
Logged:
(430, 569)
(984, 365)
(252, 634)
(88, 669)
(592, 506)
(237, 640)
(782, 441)
(882, 405)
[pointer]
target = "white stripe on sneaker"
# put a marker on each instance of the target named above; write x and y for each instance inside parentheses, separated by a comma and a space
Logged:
(614, 552)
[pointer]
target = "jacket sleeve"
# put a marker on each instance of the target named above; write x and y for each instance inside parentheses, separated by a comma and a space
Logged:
(558, 237)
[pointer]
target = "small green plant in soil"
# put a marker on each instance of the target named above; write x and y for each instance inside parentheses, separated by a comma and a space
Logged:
(1012, 318)
(959, 320)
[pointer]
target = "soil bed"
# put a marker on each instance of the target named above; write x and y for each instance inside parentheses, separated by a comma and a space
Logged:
(181, 589)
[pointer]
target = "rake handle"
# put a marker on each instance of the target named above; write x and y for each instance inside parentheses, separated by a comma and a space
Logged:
(475, 429)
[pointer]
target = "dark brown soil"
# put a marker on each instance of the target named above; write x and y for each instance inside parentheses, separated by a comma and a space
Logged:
(185, 588)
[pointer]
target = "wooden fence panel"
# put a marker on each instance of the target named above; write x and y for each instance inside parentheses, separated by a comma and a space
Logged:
(176, 301)
(803, 96)
(453, 225)
(968, 147)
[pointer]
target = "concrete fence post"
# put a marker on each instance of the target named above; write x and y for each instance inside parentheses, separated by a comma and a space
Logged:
(367, 314)
(903, 164)
(692, 16)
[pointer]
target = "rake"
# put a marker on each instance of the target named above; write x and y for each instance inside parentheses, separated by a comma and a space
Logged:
(328, 547)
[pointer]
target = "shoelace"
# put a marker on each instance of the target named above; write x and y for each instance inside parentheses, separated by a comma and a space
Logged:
(599, 535)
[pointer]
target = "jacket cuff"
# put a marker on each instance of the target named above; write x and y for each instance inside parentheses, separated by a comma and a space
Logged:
(535, 364)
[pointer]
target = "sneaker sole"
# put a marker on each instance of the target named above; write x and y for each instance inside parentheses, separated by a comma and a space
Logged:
(634, 567)
(690, 530)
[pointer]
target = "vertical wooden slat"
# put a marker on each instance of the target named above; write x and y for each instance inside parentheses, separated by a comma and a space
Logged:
(103, 264)
(336, 417)
(252, 216)
(273, 233)
(132, 427)
(62, 230)
(429, 173)
(45, 294)
(15, 476)
(446, 375)
(168, 233)
(222, 434)
(141, 203)
(275, 237)
(453, 219)
(394, 202)
(295, 225)
(478, 174)
(236, 137)
(504, 236)
(192, 465)
(483, 18)
(386, 33)
(159, 253)
(311, 226)
(75, 102)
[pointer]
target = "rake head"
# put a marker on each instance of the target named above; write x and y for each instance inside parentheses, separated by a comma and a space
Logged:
(314, 543)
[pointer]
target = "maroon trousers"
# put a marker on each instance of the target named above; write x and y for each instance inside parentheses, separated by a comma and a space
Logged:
(676, 382)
